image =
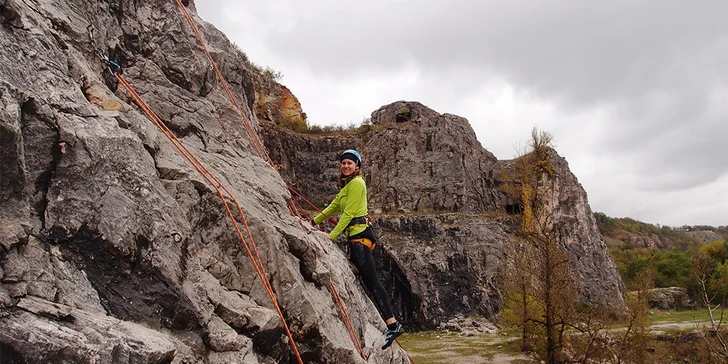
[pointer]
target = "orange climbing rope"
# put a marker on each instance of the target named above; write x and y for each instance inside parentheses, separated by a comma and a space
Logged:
(405, 351)
(260, 148)
(301, 211)
(312, 205)
(252, 135)
(219, 188)
(347, 320)
(248, 126)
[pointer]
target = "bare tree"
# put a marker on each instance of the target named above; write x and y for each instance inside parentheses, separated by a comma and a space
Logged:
(517, 294)
(703, 267)
(630, 344)
(547, 292)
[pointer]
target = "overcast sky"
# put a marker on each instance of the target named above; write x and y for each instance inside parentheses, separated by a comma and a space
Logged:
(634, 92)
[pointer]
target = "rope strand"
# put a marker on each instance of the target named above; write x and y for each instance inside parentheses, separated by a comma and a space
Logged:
(347, 320)
(260, 149)
(219, 188)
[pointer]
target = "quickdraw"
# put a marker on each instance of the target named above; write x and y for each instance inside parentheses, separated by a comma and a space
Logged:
(112, 66)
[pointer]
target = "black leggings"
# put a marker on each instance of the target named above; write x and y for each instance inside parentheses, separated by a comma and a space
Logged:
(363, 259)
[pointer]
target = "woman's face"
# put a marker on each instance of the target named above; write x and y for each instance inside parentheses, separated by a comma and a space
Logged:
(348, 167)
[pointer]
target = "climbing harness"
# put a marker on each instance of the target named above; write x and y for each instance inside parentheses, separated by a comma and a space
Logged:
(361, 220)
(369, 242)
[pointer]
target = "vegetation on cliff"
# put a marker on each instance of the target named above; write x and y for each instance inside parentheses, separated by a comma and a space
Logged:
(669, 262)
(690, 257)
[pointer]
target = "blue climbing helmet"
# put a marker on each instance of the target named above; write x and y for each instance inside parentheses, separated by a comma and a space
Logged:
(352, 155)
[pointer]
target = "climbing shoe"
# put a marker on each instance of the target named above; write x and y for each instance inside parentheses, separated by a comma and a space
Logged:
(391, 335)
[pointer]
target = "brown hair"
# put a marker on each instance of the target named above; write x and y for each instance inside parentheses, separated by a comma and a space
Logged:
(342, 181)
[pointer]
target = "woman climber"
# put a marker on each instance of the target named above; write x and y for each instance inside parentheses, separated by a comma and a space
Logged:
(351, 201)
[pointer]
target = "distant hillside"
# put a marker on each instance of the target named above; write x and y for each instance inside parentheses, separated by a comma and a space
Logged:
(628, 232)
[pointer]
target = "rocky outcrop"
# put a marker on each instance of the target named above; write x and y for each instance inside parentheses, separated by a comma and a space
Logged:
(669, 298)
(113, 249)
(593, 268)
(636, 234)
(642, 240)
(705, 236)
(420, 161)
(440, 266)
(275, 102)
(436, 194)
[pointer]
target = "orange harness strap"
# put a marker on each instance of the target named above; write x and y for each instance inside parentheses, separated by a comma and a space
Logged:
(364, 241)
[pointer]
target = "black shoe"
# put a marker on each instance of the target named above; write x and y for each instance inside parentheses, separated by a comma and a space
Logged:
(391, 335)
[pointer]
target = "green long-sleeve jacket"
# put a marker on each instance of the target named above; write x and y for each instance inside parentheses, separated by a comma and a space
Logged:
(351, 202)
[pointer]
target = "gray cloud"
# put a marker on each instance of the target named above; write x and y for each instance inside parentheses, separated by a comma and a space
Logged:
(653, 71)
(586, 50)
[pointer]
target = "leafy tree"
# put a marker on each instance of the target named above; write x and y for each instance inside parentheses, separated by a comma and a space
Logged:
(716, 249)
(672, 268)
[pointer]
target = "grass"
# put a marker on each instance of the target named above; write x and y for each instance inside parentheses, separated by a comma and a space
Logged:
(436, 347)
(686, 316)
(613, 243)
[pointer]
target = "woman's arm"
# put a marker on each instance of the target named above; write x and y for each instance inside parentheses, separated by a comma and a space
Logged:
(330, 210)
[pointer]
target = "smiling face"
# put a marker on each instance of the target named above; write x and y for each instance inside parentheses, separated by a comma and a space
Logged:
(348, 167)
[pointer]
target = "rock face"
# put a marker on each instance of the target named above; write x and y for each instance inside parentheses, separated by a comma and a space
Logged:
(421, 161)
(643, 240)
(113, 249)
(670, 298)
(594, 269)
(275, 102)
(705, 237)
(434, 191)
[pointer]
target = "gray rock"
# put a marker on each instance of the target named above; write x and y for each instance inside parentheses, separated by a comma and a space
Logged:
(594, 270)
(669, 298)
(423, 161)
(6, 300)
(434, 191)
(221, 337)
(705, 236)
(243, 356)
(42, 331)
(111, 244)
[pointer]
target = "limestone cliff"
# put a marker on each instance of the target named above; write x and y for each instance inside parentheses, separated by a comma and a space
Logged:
(113, 249)
(435, 192)
(638, 234)
(275, 102)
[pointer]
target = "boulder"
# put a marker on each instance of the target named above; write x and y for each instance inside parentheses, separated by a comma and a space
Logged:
(670, 298)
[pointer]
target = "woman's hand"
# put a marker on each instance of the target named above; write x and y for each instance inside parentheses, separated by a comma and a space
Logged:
(322, 233)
